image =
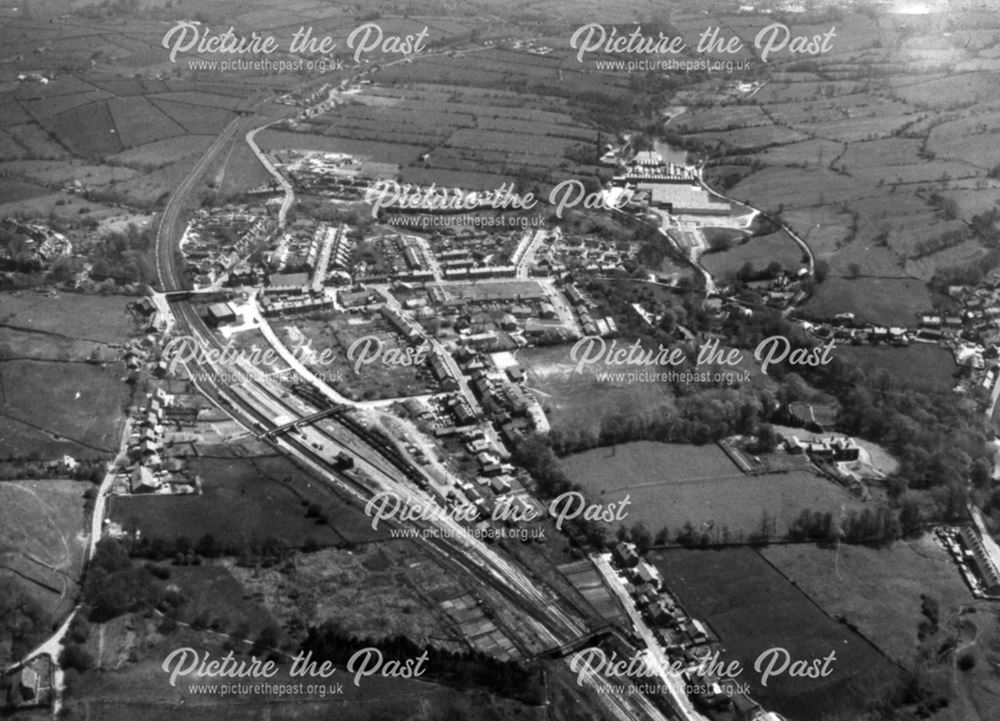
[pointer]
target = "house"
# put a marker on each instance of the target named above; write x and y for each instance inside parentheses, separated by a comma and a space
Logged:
(646, 573)
(143, 480)
(793, 445)
(499, 484)
(625, 554)
(659, 612)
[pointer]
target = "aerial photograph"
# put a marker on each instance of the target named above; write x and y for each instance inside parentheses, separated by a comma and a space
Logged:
(470, 360)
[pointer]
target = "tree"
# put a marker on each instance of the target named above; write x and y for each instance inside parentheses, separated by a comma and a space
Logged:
(641, 536)
(909, 516)
(854, 271)
(767, 439)
(821, 270)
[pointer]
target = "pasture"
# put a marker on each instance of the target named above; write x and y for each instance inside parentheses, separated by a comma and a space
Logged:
(51, 408)
(247, 499)
(759, 251)
(753, 608)
(882, 301)
(582, 402)
(44, 529)
(674, 484)
(876, 589)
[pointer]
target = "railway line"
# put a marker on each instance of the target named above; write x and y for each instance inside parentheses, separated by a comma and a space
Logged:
(379, 465)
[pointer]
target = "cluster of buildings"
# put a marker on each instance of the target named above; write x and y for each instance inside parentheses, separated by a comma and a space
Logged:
(824, 449)
(219, 239)
(583, 306)
(306, 245)
(332, 175)
(676, 630)
(590, 253)
(30, 245)
(148, 471)
(976, 561)
(653, 182)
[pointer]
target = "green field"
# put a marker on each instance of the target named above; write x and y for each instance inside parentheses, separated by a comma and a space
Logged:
(672, 484)
(758, 251)
(246, 499)
(878, 590)
(872, 300)
(582, 401)
(753, 608)
(99, 318)
(43, 543)
(55, 408)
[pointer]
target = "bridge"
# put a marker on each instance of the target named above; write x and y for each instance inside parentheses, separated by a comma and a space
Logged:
(577, 644)
(307, 420)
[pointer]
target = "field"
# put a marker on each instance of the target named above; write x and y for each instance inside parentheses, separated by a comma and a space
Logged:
(470, 138)
(51, 408)
(246, 499)
(43, 541)
(878, 590)
(881, 301)
(923, 366)
(102, 319)
(582, 401)
(338, 332)
(53, 401)
(857, 163)
(672, 484)
(753, 608)
(758, 251)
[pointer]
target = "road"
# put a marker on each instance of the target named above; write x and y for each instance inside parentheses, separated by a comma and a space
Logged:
(286, 186)
(168, 274)
(554, 620)
(656, 659)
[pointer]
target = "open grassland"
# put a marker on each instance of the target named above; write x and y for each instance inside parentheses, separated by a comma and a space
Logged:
(881, 301)
(865, 158)
(245, 500)
(876, 589)
(98, 318)
(51, 408)
(753, 608)
(673, 484)
(43, 542)
(582, 400)
(759, 251)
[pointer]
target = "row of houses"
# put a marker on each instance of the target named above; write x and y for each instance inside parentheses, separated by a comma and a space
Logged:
(674, 627)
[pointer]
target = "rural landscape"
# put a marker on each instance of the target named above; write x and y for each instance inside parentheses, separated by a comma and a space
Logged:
(557, 361)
